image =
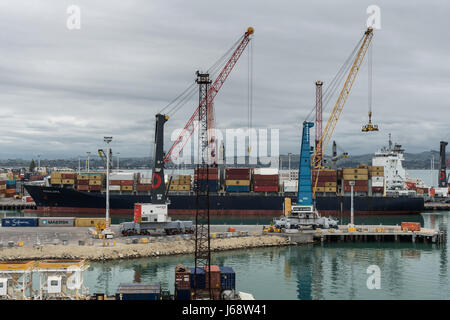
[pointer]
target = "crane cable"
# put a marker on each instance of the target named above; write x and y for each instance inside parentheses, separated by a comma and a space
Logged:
(332, 88)
(250, 96)
(179, 101)
(369, 80)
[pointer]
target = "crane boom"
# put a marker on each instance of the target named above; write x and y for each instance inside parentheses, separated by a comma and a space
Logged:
(335, 114)
(190, 126)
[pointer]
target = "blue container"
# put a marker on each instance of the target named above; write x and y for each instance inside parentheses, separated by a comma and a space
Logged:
(138, 296)
(19, 222)
(11, 183)
(201, 278)
(139, 291)
(213, 185)
(183, 294)
(227, 278)
(238, 188)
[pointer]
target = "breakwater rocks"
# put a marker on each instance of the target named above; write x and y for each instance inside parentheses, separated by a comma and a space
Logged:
(98, 252)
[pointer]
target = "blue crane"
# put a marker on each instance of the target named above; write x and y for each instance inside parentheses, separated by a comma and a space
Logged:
(304, 194)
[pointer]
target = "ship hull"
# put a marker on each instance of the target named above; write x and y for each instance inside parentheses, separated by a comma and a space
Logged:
(55, 201)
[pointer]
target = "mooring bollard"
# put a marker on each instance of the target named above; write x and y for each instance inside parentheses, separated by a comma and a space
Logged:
(80, 242)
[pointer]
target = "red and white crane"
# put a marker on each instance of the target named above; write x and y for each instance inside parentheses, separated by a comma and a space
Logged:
(191, 125)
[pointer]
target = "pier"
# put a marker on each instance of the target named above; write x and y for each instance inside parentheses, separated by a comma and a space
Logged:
(379, 234)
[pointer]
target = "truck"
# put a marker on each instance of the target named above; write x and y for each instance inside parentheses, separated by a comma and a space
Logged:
(150, 218)
(305, 216)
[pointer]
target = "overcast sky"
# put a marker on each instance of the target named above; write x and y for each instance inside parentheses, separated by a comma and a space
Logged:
(62, 91)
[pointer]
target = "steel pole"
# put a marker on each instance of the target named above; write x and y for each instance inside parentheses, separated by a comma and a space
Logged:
(351, 205)
(107, 188)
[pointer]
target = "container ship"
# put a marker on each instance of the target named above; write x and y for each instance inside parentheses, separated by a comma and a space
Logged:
(379, 189)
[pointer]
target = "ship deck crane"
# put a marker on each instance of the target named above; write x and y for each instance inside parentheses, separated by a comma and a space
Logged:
(338, 107)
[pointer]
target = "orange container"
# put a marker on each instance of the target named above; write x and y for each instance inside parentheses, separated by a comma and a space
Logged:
(411, 226)
(231, 229)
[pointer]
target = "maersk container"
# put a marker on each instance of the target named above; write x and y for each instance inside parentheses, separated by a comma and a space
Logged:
(56, 222)
(227, 278)
(19, 222)
(201, 278)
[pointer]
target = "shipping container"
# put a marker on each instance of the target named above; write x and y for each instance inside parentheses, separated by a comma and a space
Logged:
(352, 171)
(90, 222)
(95, 188)
(200, 281)
(139, 291)
(145, 181)
(122, 176)
(257, 188)
(182, 277)
(213, 276)
(227, 278)
(126, 188)
(356, 177)
(358, 183)
(68, 176)
(203, 176)
(126, 182)
(114, 182)
(265, 171)
(237, 188)
(114, 188)
(237, 182)
(56, 222)
(95, 182)
(182, 294)
(68, 181)
(82, 177)
(19, 222)
(144, 187)
(411, 226)
(55, 181)
(201, 184)
(83, 182)
(83, 187)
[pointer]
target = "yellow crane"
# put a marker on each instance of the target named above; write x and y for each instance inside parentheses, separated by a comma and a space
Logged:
(335, 114)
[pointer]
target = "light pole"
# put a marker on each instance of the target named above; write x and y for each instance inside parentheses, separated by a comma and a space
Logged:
(79, 164)
(107, 140)
(88, 154)
(118, 158)
(352, 183)
(289, 160)
(39, 162)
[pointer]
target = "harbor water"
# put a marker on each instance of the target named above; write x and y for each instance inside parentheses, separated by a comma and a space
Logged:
(328, 271)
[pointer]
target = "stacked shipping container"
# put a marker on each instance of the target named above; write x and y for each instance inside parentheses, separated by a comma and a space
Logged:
(265, 180)
(376, 174)
(326, 180)
(223, 278)
(181, 183)
(202, 175)
(122, 181)
(359, 175)
(237, 179)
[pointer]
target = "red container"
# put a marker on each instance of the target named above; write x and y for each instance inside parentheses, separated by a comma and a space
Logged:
(83, 187)
(137, 212)
(214, 272)
(95, 188)
(203, 170)
(324, 173)
(265, 177)
(432, 192)
(257, 188)
(126, 182)
(68, 175)
(2, 182)
(358, 183)
(266, 183)
(411, 226)
(183, 280)
(83, 182)
(114, 182)
(356, 189)
(377, 189)
(144, 187)
(211, 176)
(237, 174)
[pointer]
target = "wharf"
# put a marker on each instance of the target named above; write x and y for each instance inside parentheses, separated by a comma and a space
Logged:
(380, 233)
(437, 206)
(15, 204)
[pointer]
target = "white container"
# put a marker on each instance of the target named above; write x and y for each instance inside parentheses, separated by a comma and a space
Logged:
(266, 171)
(54, 284)
(122, 176)
(377, 184)
(114, 188)
(146, 181)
